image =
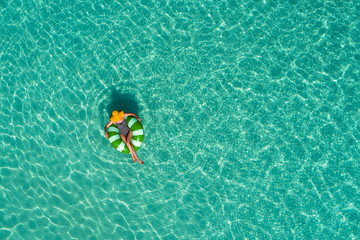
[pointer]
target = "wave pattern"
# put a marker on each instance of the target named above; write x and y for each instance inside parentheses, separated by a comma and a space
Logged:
(250, 111)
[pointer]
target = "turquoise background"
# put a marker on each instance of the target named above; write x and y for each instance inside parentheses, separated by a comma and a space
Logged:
(250, 110)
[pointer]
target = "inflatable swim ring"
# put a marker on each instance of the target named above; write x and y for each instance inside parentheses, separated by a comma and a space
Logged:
(137, 138)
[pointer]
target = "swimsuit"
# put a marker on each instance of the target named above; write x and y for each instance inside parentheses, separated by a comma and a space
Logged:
(123, 128)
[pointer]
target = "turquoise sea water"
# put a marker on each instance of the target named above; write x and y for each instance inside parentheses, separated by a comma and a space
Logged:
(250, 110)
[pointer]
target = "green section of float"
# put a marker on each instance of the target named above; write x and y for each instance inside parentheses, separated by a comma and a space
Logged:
(137, 138)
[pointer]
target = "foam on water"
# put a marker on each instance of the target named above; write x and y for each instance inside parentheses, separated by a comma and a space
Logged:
(250, 110)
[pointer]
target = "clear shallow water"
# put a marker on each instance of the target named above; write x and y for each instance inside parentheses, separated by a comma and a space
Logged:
(250, 110)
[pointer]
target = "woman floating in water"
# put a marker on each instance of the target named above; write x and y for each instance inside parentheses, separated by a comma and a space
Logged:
(118, 118)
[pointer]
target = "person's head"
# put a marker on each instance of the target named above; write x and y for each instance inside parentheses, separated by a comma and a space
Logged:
(116, 116)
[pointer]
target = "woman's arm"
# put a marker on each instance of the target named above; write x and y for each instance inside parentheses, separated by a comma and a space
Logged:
(107, 125)
(132, 114)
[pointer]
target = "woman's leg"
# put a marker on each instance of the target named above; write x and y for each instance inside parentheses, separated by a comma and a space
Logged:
(128, 140)
(129, 146)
